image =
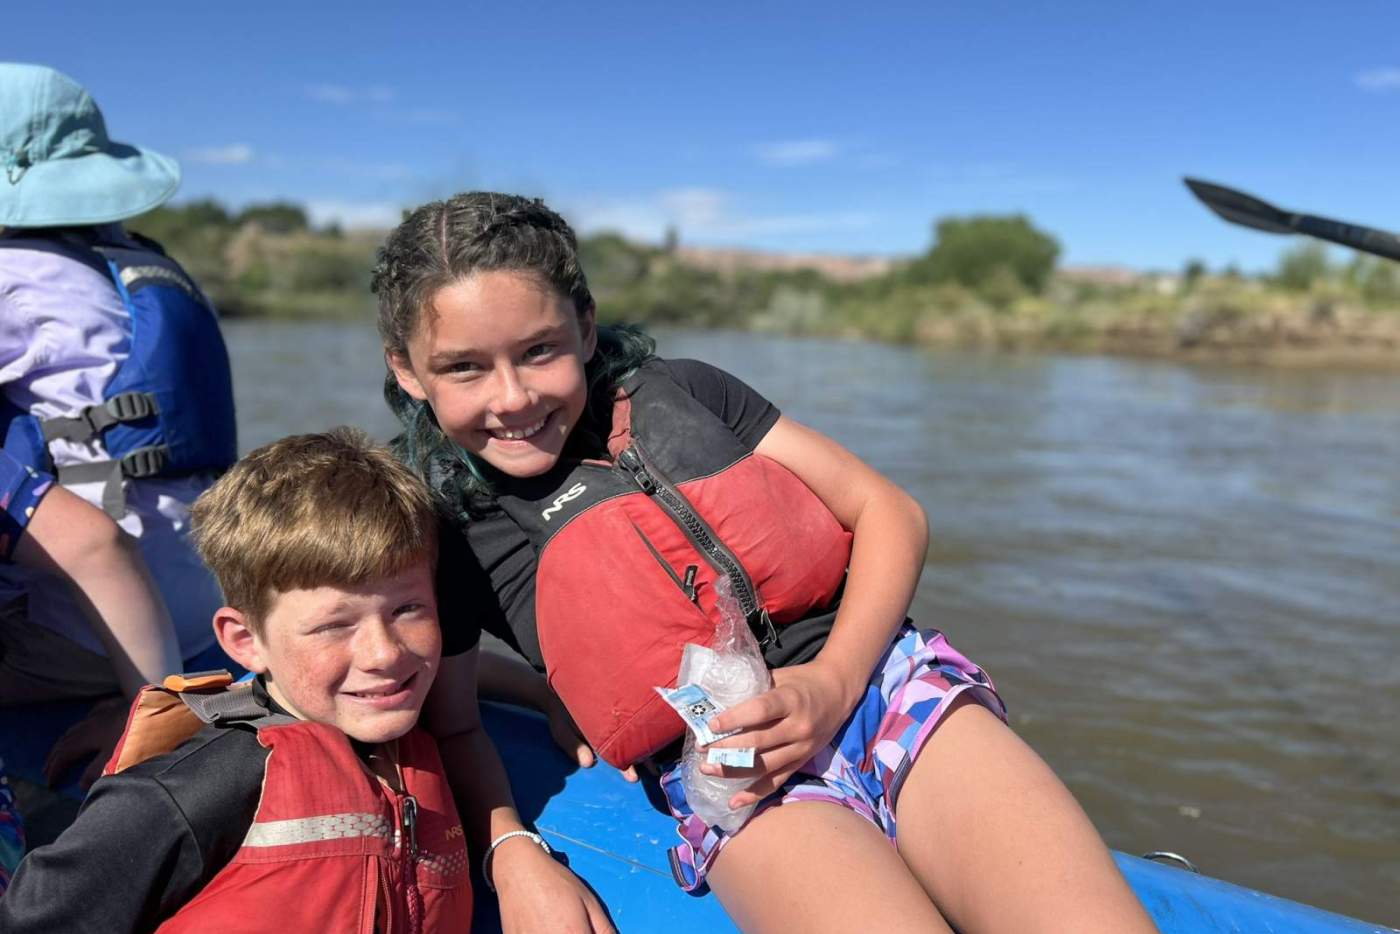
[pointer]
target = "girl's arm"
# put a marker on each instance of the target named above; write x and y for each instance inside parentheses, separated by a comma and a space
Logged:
(536, 893)
(809, 702)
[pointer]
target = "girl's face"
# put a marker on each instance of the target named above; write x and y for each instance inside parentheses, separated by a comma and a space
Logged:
(499, 357)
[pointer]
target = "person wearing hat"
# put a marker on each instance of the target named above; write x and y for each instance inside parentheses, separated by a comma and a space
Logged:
(113, 377)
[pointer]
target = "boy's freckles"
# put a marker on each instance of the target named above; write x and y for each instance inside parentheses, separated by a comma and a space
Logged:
(360, 658)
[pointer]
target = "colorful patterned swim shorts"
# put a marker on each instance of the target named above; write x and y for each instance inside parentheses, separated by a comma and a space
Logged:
(866, 764)
(11, 832)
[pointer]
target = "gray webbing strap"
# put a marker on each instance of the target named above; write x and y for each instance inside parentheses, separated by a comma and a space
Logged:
(68, 474)
(138, 464)
(235, 704)
(113, 493)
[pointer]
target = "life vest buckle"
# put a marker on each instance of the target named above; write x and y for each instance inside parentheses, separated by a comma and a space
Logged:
(93, 420)
(145, 462)
(131, 406)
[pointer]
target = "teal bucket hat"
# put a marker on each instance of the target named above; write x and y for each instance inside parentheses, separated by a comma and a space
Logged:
(58, 168)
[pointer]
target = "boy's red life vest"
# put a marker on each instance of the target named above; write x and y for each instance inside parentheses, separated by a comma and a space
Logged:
(332, 847)
(629, 553)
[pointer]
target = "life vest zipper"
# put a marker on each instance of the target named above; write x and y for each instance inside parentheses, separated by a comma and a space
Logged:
(415, 897)
(655, 485)
(408, 808)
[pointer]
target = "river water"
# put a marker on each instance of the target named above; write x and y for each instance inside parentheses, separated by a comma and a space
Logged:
(1184, 579)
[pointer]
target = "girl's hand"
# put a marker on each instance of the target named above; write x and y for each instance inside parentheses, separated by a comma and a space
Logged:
(537, 893)
(566, 733)
(787, 725)
(569, 738)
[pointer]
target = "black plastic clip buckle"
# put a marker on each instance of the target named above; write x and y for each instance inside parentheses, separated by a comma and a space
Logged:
(131, 406)
(145, 462)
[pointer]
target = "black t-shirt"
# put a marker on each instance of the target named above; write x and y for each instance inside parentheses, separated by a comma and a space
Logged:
(460, 582)
(498, 583)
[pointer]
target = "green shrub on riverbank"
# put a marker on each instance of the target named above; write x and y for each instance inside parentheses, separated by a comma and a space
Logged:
(985, 281)
(266, 260)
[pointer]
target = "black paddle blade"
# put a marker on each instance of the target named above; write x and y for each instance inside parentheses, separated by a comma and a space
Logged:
(1247, 210)
(1240, 208)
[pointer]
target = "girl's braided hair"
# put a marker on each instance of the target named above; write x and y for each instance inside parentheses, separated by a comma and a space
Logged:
(444, 241)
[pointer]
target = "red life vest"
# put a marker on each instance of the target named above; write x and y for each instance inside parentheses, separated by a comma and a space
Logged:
(628, 554)
(332, 847)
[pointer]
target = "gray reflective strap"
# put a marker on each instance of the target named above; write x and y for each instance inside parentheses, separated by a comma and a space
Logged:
(323, 827)
(134, 277)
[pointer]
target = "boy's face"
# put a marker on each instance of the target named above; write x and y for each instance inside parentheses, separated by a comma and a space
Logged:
(359, 658)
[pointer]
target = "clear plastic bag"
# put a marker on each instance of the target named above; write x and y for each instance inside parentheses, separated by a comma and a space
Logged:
(731, 672)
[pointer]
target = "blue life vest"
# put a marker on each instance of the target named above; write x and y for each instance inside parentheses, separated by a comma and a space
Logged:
(168, 409)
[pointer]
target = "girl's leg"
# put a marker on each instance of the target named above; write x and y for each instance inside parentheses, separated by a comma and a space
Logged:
(998, 841)
(814, 866)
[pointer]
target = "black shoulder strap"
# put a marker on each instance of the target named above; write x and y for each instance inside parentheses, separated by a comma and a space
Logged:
(152, 245)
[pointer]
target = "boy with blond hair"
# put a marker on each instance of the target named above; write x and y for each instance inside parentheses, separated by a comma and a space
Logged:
(307, 799)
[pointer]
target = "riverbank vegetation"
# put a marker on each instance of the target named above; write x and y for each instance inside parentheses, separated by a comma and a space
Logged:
(985, 281)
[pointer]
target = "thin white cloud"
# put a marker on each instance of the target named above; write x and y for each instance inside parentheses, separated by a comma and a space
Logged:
(329, 93)
(704, 214)
(343, 95)
(380, 102)
(349, 168)
(694, 207)
(232, 154)
(429, 116)
(1379, 79)
(777, 224)
(377, 171)
(1001, 178)
(793, 152)
(878, 161)
(355, 215)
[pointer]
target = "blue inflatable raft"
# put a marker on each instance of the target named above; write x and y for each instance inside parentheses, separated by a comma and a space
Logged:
(615, 841)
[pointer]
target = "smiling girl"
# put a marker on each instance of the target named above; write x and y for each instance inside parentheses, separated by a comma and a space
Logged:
(606, 493)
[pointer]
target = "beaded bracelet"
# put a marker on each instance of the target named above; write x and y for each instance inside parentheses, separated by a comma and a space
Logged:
(491, 850)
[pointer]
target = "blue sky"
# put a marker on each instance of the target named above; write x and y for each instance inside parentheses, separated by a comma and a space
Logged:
(832, 127)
